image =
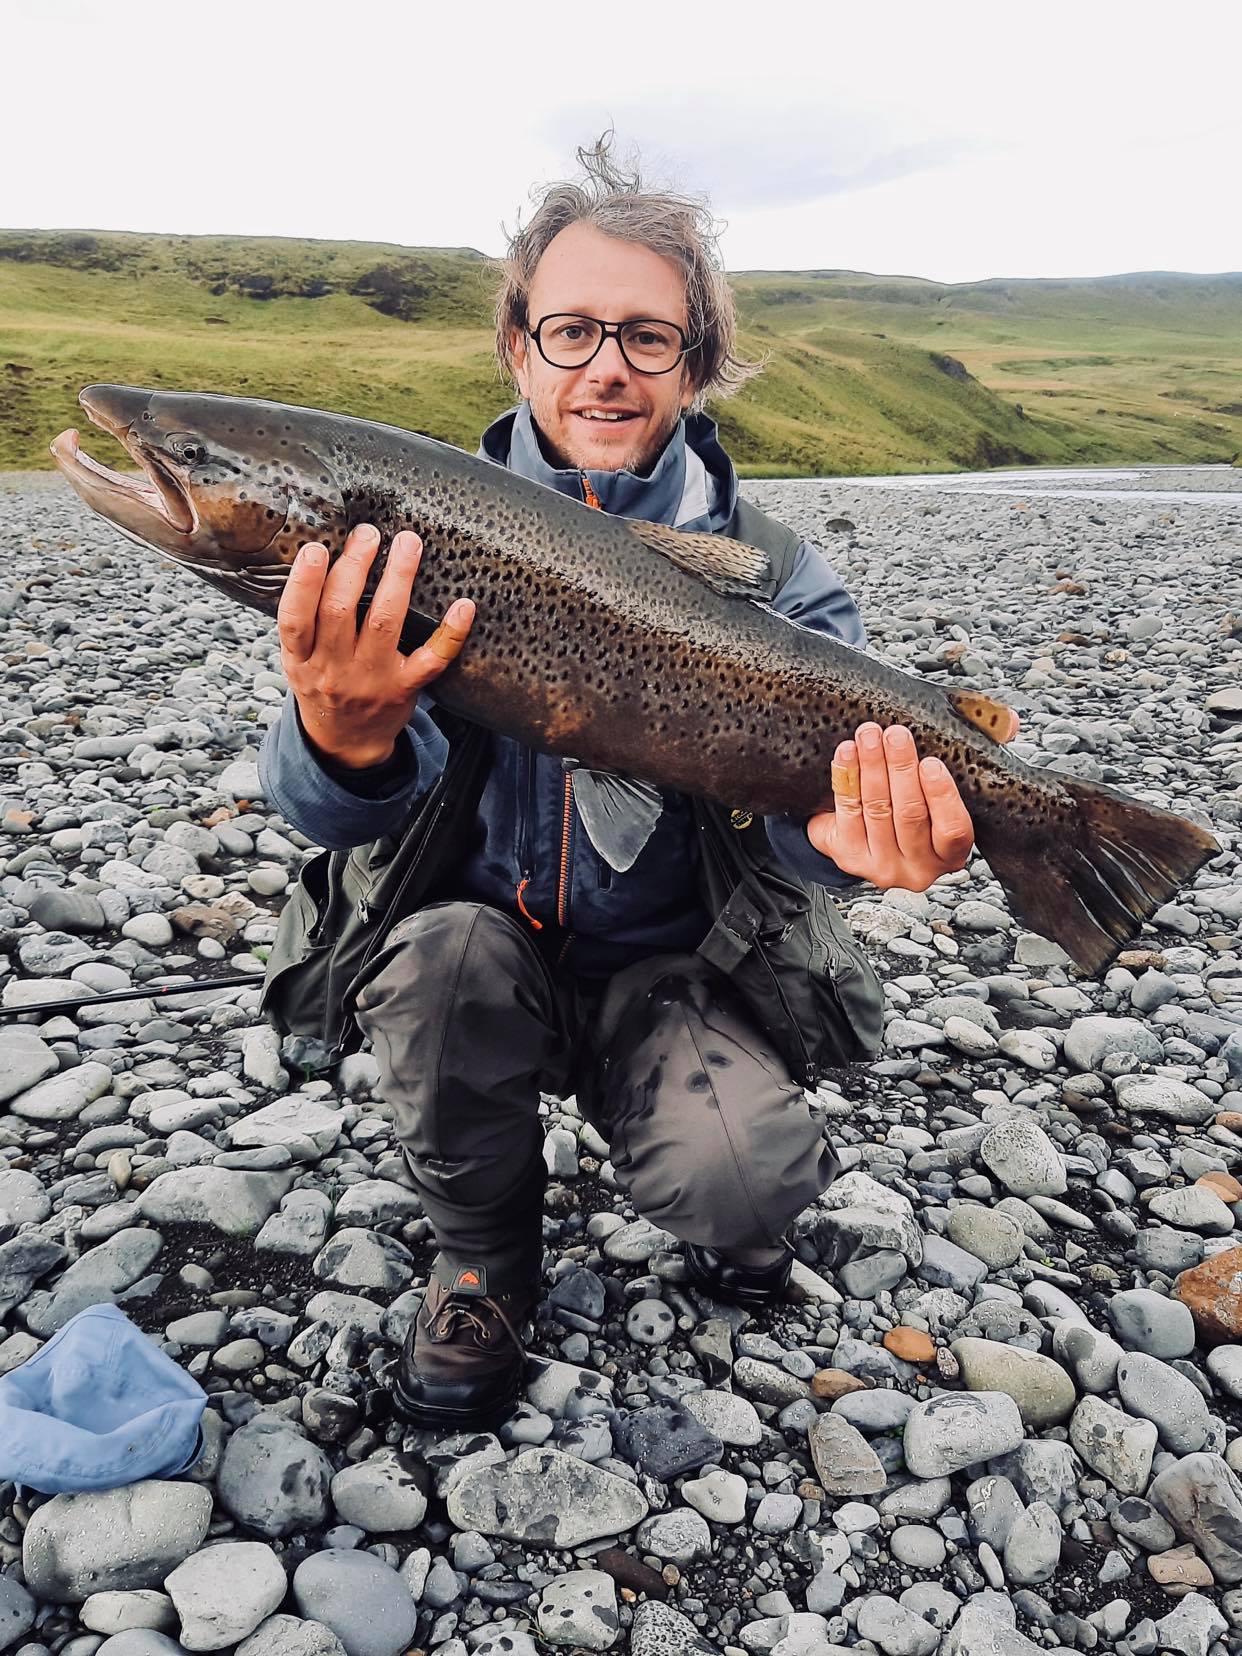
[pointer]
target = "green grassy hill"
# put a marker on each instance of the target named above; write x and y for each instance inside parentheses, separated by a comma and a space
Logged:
(865, 374)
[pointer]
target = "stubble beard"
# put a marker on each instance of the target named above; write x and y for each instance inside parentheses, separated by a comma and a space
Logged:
(638, 459)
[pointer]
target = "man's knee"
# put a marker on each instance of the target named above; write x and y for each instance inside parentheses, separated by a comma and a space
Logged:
(466, 937)
(450, 957)
(732, 1183)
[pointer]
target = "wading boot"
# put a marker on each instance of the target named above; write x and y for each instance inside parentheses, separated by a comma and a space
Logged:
(460, 1368)
(723, 1276)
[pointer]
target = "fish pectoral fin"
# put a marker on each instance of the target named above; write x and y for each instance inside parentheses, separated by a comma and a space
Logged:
(732, 567)
(619, 815)
(992, 717)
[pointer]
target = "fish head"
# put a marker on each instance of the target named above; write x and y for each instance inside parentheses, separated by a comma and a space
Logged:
(229, 487)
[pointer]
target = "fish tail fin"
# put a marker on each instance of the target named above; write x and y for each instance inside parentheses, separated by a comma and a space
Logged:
(1090, 888)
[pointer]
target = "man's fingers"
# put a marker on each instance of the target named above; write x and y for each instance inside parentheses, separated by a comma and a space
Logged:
(444, 645)
(391, 602)
(952, 832)
(877, 804)
(337, 625)
(911, 819)
(840, 833)
(295, 616)
(1014, 726)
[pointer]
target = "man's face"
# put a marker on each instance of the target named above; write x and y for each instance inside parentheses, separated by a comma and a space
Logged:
(592, 274)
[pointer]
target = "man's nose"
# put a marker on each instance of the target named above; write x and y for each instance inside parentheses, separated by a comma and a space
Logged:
(608, 366)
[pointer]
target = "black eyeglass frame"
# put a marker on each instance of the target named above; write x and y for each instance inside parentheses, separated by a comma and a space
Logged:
(609, 331)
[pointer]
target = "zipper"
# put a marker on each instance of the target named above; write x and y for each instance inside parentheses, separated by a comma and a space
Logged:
(562, 890)
(567, 821)
(526, 859)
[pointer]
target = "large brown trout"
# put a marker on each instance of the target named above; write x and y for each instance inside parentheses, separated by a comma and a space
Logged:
(639, 651)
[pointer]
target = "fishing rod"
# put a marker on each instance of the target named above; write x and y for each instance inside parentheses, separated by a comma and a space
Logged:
(147, 992)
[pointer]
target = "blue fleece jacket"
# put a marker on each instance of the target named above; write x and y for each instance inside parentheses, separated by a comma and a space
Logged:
(594, 920)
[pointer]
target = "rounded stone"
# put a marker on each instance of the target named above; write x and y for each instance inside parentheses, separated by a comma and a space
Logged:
(1042, 1390)
(678, 1537)
(362, 1600)
(955, 1430)
(650, 1322)
(579, 1609)
(719, 1495)
(379, 1494)
(273, 1479)
(1224, 1364)
(17, 1612)
(1024, 1158)
(995, 1238)
(224, 1592)
(1151, 1322)
(918, 1545)
(113, 1540)
(1154, 1391)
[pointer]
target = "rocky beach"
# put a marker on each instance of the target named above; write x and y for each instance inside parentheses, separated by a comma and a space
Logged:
(1000, 1413)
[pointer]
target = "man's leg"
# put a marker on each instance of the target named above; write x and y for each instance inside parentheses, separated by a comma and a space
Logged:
(709, 1134)
(466, 1028)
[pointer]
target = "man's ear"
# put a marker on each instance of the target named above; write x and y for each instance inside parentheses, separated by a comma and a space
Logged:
(689, 390)
(518, 356)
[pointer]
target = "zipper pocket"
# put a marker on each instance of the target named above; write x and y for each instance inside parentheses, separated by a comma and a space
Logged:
(809, 1069)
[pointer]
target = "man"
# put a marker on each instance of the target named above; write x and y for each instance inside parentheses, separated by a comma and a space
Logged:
(540, 968)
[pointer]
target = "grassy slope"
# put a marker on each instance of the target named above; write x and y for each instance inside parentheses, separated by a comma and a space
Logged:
(1127, 369)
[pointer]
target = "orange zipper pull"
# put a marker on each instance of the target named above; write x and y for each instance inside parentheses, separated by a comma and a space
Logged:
(589, 494)
(525, 912)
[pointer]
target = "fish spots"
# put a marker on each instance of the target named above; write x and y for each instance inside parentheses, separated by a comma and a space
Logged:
(697, 1081)
(718, 1060)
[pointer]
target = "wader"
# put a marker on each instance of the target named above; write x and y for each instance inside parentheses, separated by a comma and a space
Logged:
(710, 1136)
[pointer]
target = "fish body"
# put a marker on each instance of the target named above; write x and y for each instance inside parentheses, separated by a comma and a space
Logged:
(635, 650)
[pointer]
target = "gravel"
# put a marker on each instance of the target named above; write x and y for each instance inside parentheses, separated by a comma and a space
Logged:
(999, 1412)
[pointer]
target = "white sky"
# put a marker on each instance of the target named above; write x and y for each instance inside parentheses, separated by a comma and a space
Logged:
(954, 140)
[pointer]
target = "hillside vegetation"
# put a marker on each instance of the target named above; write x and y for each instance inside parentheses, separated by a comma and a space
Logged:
(865, 374)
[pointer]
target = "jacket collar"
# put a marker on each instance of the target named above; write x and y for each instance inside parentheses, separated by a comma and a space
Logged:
(693, 484)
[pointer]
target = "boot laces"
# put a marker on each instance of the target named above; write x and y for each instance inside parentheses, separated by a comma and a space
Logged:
(459, 1311)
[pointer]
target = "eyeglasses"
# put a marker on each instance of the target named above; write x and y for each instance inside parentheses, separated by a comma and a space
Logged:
(567, 340)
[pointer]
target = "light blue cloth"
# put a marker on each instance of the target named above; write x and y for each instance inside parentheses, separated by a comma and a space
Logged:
(98, 1406)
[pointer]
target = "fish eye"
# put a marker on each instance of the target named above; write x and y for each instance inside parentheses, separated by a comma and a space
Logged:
(187, 449)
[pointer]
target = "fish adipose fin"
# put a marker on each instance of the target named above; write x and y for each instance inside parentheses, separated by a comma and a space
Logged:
(619, 815)
(732, 567)
(993, 718)
(1091, 888)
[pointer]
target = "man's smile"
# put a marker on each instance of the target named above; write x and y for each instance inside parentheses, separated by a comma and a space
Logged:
(616, 415)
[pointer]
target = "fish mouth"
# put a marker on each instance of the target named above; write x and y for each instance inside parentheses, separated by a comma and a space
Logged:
(148, 504)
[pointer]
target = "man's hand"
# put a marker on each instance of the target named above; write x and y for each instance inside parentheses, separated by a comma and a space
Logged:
(354, 688)
(899, 820)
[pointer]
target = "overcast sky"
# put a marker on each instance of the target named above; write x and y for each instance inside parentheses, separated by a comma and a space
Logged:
(957, 141)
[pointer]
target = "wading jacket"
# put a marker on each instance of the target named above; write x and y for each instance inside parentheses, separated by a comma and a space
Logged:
(528, 854)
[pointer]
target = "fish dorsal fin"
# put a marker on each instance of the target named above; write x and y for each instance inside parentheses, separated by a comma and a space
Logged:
(732, 567)
(993, 718)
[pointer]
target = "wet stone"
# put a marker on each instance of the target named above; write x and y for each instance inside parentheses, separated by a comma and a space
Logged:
(665, 1442)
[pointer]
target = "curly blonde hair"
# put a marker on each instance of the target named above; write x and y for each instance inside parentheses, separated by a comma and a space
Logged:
(678, 227)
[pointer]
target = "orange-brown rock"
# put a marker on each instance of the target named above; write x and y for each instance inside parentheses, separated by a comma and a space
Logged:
(1179, 1571)
(829, 1384)
(1213, 1293)
(1231, 1119)
(911, 1345)
(1223, 1185)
